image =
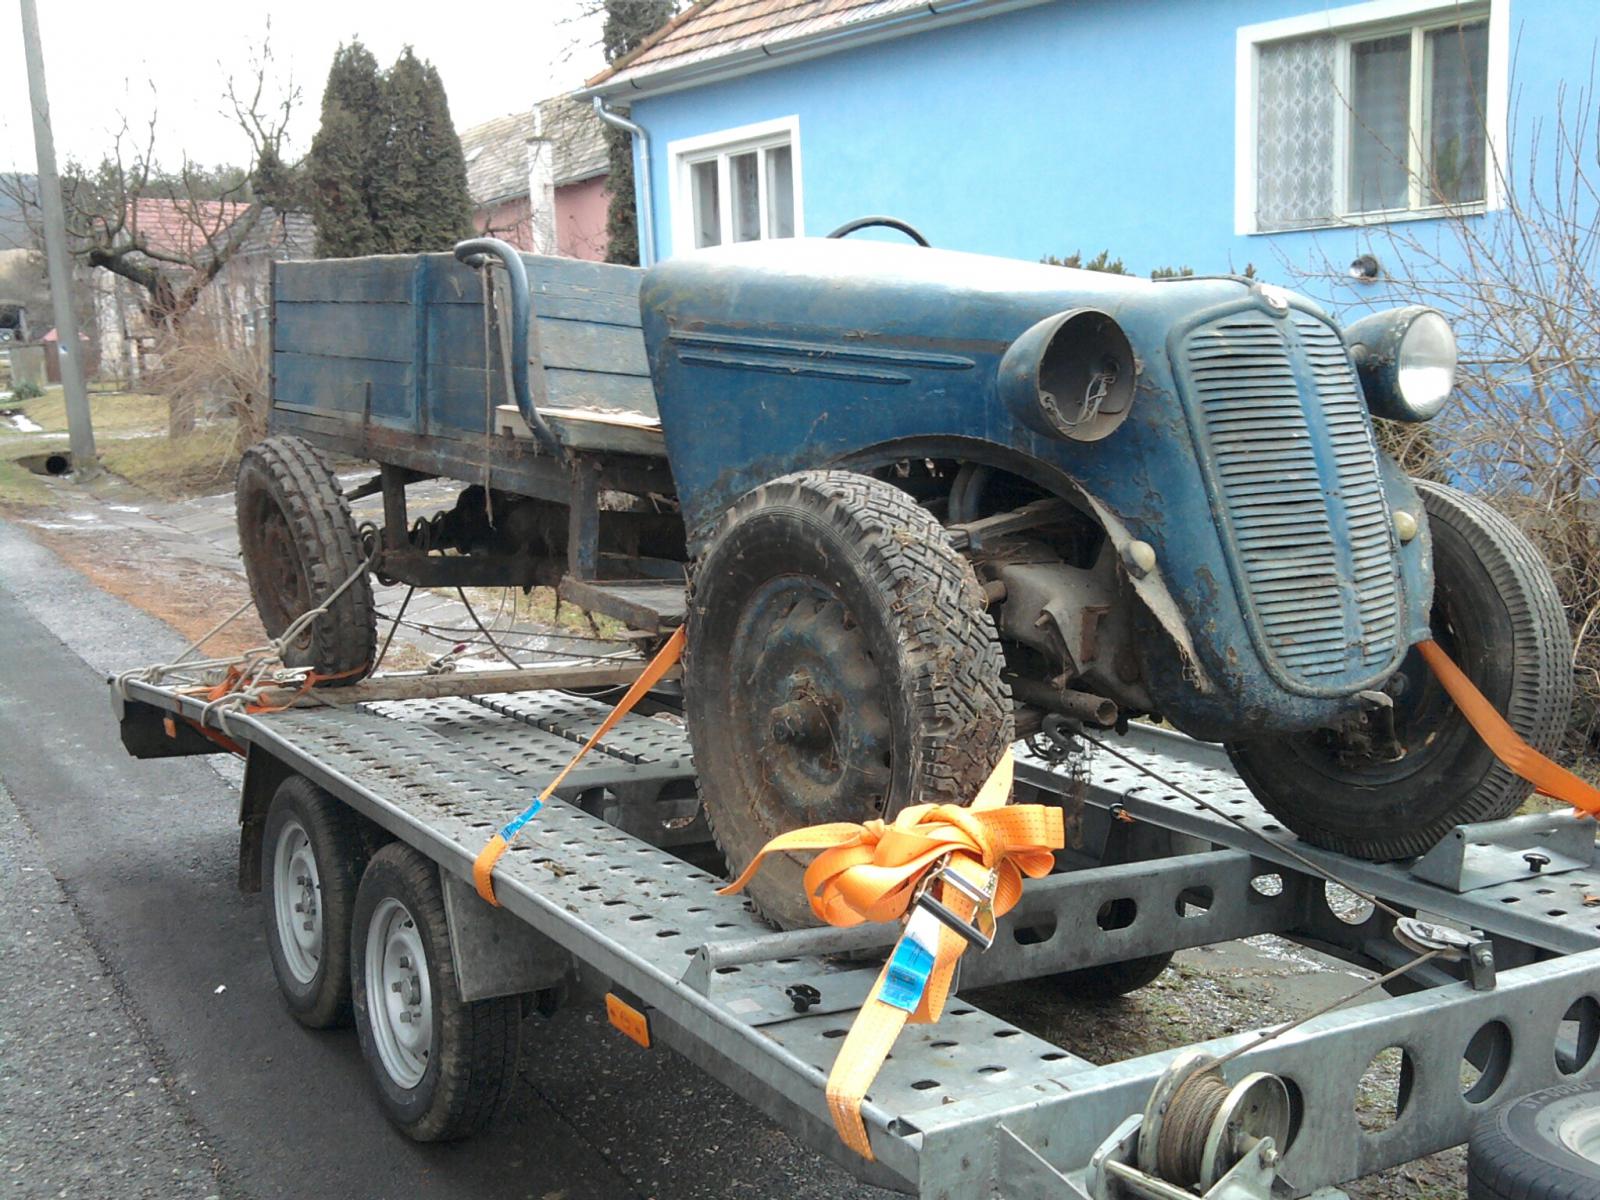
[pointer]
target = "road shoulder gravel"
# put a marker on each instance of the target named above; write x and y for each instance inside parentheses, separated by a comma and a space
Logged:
(84, 1111)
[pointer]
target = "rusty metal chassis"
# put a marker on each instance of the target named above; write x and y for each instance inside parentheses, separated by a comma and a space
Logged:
(513, 465)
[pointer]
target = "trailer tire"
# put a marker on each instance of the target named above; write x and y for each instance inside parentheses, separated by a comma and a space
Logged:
(311, 858)
(1544, 1146)
(1496, 611)
(1110, 980)
(299, 543)
(445, 1068)
(841, 664)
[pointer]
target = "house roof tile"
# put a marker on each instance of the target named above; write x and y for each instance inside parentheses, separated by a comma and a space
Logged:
(713, 29)
(182, 229)
(497, 150)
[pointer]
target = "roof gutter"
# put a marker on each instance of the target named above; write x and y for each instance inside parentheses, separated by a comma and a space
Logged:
(645, 206)
(936, 14)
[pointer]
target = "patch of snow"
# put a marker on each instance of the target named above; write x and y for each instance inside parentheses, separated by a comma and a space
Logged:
(127, 508)
(81, 517)
(24, 424)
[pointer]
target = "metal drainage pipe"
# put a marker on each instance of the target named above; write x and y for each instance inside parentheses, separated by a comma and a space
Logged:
(641, 173)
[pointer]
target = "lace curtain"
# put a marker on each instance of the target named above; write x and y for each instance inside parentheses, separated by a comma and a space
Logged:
(1301, 107)
(1295, 99)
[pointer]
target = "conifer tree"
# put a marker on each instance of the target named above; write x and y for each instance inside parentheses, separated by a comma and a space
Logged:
(420, 200)
(343, 158)
(628, 22)
(387, 173)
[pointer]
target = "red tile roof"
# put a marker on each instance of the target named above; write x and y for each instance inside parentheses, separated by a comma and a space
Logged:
(180, 227)
(713, 29)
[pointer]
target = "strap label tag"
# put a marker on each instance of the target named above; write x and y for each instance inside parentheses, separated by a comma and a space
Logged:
(911, 964)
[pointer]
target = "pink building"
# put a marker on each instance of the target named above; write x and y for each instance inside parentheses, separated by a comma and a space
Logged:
(538, 179)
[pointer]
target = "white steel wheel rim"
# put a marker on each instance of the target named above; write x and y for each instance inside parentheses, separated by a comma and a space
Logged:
(399, 997)
(297, 901)
(1579, 1132)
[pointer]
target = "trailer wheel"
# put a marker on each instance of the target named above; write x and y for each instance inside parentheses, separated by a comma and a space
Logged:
(841, 664)
(1496, 612)
(443, 1066)
(299, 543)
(1545, 1146)
(311, 854)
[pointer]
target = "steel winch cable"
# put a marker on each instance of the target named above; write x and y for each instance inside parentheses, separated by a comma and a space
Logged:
(1199, 1099)
(1186, 1125)
(489, 637)
(1233, 819)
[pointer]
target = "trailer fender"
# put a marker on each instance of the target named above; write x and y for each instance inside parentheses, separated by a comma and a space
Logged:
(262, 775)
(495, 953)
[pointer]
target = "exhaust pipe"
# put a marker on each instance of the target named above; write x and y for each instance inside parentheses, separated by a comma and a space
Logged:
(1080, 706)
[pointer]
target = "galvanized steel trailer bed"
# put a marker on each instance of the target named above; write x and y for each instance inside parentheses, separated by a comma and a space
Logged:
(972, 1106)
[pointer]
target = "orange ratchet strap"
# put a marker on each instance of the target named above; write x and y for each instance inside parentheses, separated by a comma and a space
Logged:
(1519, 757)
(877, 871)
(483, 866)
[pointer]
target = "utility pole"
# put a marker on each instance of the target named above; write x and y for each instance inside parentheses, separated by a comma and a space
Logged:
(79, 430)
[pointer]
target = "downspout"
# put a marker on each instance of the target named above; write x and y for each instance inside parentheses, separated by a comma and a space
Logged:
(645, 213)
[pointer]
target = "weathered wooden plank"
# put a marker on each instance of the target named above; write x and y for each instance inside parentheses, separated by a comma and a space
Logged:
(452, 283)
(587, 389)
(455, 337)
(588, 306)
(581, 429)
(381, 332)
(582, 346)
(463, 683)
(381, 279)
(456, 399)
(343, 384)
(576, 276)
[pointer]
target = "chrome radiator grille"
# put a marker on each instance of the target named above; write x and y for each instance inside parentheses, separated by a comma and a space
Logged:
(1312, 542)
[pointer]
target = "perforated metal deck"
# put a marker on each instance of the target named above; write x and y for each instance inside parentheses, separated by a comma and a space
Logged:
(974, 1106)
(1546, 909)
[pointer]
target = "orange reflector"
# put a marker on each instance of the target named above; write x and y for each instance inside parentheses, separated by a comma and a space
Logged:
(629, 1020)
(171, 726)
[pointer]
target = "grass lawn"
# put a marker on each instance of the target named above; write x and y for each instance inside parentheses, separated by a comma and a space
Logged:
(131, 436)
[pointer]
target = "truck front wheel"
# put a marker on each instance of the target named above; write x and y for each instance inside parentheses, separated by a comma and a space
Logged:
(1497, 613)
(841, 664)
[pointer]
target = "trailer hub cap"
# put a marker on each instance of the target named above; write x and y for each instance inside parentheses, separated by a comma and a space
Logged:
(811, 705)
(399, 997)
(297, 901)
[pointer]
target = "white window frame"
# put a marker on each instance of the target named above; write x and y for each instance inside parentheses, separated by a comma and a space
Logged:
(1357, 22)
(684, 153)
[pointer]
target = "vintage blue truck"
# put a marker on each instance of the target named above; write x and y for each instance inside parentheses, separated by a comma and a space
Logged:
(912, 504)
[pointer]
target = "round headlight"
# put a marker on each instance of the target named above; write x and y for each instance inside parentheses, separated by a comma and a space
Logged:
(1427, 362)
(1407, 361)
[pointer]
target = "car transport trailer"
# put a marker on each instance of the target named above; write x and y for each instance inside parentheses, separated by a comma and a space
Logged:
(362, 815)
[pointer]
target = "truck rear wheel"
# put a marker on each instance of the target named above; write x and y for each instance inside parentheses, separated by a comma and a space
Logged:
(443, 1066)
(310, 863)
(299, 544)
(841, 664)
(1496, 612)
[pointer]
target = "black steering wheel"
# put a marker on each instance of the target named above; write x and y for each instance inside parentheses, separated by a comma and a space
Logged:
(905, 227)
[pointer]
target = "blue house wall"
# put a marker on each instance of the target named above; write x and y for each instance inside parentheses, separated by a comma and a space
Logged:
(1098, 124)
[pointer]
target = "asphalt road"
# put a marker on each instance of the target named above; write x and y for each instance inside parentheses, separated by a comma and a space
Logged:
(145, 1051)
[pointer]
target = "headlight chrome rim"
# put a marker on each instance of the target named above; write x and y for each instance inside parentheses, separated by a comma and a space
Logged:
(1425, 369)
(1406, 358)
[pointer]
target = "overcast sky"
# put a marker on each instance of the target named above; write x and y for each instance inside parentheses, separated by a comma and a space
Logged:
(100, 58)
